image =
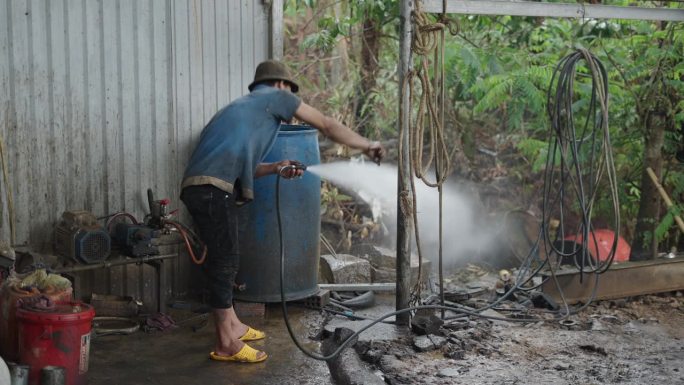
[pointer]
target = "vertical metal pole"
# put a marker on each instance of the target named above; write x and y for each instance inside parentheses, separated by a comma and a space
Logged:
(404, 202)
(276, 29)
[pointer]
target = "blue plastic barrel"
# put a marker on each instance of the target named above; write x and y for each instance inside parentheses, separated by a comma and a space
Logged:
(300, 202)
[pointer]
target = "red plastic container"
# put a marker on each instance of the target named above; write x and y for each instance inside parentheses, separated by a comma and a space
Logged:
(60, 337)
(9, 299)
(600, 243)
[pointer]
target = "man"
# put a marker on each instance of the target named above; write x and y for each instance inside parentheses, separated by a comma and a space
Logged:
(220, 175)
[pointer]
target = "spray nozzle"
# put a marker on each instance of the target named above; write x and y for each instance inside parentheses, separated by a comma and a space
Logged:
(297, 165)
(293, 166)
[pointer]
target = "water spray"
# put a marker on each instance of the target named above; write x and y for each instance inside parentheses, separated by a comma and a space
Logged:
(284, 172)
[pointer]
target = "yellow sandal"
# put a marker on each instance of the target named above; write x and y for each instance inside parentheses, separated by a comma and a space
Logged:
(252, 335)
(246, 354)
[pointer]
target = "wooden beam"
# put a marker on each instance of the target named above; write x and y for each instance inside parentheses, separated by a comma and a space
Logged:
(404, 212)
(666, 198)
(622, 280)
(533, 8)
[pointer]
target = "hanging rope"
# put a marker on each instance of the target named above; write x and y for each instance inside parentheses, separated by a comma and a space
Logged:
(428, 40)
(8, 192)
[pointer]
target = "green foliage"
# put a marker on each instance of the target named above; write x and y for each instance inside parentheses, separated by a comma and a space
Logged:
(331, 27)
(498, 70)
(525, 50)
(519, 92)
(536, 151)
(337, 21)
(667, 222)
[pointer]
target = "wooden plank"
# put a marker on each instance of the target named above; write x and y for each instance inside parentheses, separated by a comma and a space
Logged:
(181, 62)
(666, 198)
(222, 55)
(622, 280)
(114, 124)
(130, 156)
(162, 150)
(404, 222)
(57, 107)
(76, 120)
(237, 85)
(131, 281)
(6, 117)
(209, 64)
(95, 107)
(40, 146)
(169, 174)
(196, 51)
(19, 137)
(148, 286)
(145, 90)
(247, 50)
(113, 99)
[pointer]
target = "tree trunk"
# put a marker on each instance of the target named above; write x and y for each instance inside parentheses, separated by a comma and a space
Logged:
(370, 49)
(643, 244)
(340, 65)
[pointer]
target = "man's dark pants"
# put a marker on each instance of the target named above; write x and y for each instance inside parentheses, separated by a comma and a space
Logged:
(215, 215)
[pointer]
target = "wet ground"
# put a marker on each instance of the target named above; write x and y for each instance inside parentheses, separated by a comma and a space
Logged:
(636, 341)
(181, 356)
(632, 341)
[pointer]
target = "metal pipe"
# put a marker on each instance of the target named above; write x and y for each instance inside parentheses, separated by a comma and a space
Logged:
(537, 9)
(358, 286)
(106, 264)
(404, 202)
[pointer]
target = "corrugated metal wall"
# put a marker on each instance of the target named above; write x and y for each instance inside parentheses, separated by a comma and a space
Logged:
(101, 99)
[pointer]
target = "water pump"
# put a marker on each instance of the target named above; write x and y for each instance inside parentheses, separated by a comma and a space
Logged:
(79, 237)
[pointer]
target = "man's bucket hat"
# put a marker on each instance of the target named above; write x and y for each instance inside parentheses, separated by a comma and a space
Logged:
(273, 70)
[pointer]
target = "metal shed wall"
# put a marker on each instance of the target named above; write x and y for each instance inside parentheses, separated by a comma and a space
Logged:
(102, 99)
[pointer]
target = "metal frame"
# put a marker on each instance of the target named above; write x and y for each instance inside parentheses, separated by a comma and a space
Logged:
(533, 8)
(622, 280)
(482, 7)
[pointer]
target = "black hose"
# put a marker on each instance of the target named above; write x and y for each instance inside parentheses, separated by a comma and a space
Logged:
(352, 337)
(574, 147)
(565, 143)
(366, 299)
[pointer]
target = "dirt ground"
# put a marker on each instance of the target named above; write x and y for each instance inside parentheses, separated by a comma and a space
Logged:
(631, 341)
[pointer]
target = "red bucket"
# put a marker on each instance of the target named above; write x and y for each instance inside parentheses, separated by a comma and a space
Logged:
(59, 337)
(10, 296)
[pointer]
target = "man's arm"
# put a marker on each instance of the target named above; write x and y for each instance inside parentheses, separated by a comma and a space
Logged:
(338, 132)
(263, 169)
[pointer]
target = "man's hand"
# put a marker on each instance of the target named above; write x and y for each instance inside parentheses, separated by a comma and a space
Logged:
(288, 172)
(276, 168)
(375, 151)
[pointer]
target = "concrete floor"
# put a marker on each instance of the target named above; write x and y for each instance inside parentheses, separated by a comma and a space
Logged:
(181, 356)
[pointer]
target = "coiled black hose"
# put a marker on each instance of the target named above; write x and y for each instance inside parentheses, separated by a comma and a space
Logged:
(584, 155)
